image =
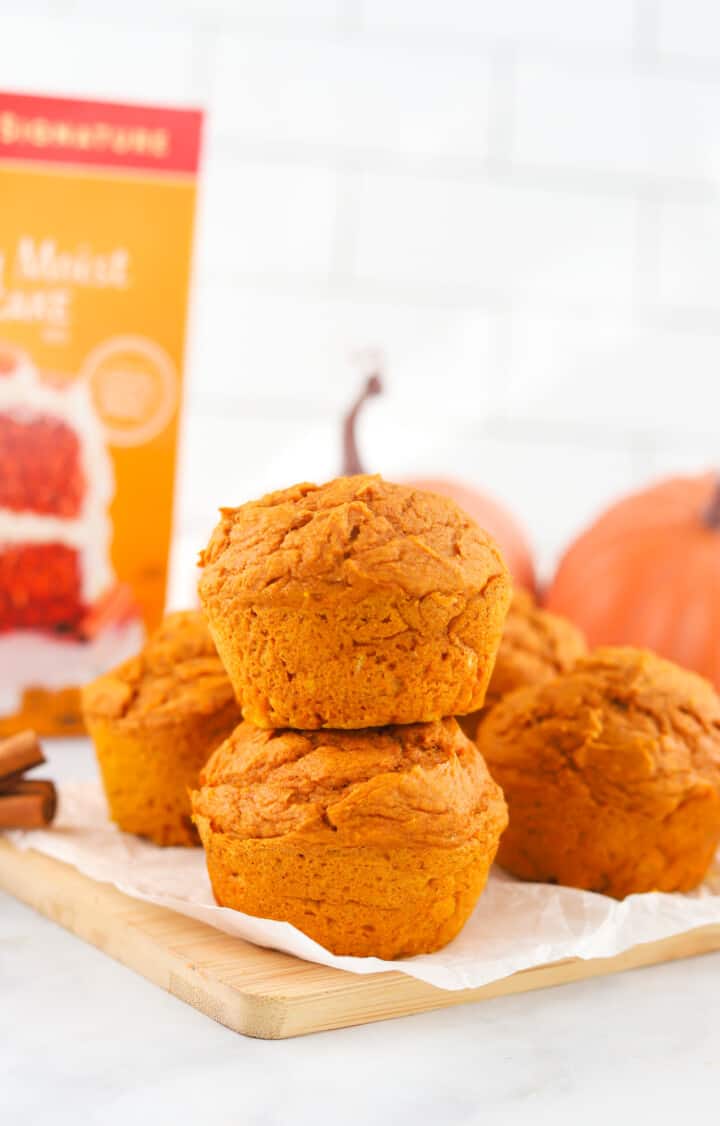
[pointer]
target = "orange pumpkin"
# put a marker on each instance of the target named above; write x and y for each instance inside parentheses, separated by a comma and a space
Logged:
(647, 573)
(485, 511)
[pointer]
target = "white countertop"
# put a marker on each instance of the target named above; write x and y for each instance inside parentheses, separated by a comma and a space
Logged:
(85, 1041)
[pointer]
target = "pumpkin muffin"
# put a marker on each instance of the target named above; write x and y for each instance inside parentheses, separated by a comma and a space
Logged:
(374, 843)
(611, 774)
(154, 721)
(358, 603)
(536, 646)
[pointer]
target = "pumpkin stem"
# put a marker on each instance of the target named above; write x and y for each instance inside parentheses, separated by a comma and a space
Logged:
(711, 515)
(351, 458)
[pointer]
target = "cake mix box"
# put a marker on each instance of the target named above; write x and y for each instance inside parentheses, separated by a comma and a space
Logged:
(96, 221)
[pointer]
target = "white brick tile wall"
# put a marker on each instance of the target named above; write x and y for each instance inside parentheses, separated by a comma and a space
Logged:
(618, 120)
(440, 232)
(400, 99)
(268, 15)
(267, 218)
(620, 375)
(689, 27)
(304, 355)
(277, 89)
(99, 59)
(689, 255)
(226, 460)
(518, 202)
(552, 22)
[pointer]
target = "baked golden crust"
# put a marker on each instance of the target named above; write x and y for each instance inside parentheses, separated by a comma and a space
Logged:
(359, 603)
(611, 773)
(154, 720)
(373, 842)
(535, 646)
(177, 673)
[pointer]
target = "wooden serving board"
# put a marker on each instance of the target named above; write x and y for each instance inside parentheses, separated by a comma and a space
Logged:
(262, 992)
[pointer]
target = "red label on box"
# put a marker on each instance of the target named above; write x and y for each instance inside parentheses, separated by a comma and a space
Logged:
(102, 134)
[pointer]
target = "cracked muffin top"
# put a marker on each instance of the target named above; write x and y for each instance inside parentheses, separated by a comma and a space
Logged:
(638, 730)
(178, 672)
(352, 535)
(404, 786)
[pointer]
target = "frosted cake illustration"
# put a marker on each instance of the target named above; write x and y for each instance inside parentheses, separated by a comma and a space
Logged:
(63, 616)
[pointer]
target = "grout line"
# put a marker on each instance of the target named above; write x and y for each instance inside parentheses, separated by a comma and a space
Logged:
(348, 190)
(352, 290)
(204, 52)
(501, 111)
(496, 169)
(348, 289)
(543, 432)
(503, 329)
(646, 258)
(641, 53)
(645, 32)
(643, 456)
(521, 430)
(351, 18)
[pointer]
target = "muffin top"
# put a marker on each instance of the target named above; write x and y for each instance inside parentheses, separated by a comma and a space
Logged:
(641, 731)
(420, 784)
(177, 673)
(535, 647)
(346, 538)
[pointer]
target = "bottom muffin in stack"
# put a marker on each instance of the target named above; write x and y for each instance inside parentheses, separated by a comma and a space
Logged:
(374, 842)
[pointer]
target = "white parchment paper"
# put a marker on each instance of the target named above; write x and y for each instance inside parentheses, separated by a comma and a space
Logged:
(514, 927)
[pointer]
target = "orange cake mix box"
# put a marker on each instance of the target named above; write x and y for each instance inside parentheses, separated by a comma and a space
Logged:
(97, 202)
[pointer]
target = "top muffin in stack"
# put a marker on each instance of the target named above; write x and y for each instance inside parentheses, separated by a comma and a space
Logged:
(355, 605)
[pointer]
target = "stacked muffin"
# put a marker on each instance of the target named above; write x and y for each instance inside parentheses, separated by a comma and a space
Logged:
(352, 619)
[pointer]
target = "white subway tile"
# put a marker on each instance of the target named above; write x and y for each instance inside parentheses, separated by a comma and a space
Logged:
(613, 373)
(280, 13)
(684, 459)
(267, 218)
(689, 27)
(554, 22)
(379, 98)
(625, 122)
(239, 454)
(556, 489)
(268, 16)
(689, 258)
(276, 89)
(97, 60)
(302, 350)
(439, 232)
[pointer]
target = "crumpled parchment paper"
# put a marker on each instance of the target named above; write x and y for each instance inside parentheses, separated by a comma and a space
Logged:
(514, 927)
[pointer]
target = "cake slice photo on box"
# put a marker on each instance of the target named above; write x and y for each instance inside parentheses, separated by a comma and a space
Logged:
(64, 617)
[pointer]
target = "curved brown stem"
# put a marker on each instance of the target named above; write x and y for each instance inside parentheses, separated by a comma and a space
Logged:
(711, 515)
(351, 458)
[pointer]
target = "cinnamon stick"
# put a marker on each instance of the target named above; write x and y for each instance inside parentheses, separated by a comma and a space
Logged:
(20, 752)
(29, 805)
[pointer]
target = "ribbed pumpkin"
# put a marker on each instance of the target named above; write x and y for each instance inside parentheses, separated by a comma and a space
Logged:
(647, 573)
(485, 511)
